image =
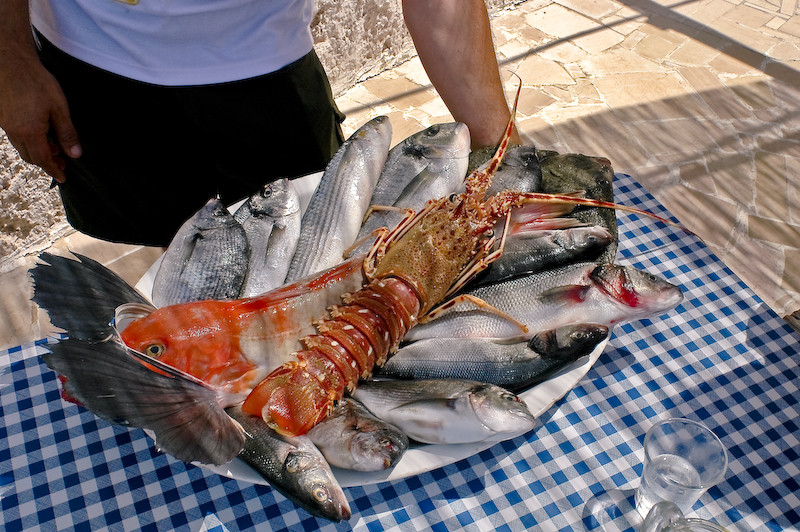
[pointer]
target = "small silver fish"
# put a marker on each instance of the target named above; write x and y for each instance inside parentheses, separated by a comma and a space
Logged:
(530, 252)
(207, 259)
(352, 438)
(271, 219)
(447, 410)
(515, 366)
(293, 466)
(333, 217)
(584, 292)
(519, 171)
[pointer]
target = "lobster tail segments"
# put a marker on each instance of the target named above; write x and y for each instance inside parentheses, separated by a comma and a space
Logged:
(359, 335)
(297, 395)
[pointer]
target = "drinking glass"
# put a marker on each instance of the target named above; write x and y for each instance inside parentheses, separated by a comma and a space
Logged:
(682, 459)
(664, 516)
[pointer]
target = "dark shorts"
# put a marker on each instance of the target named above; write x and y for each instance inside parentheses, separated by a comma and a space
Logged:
(153, 155)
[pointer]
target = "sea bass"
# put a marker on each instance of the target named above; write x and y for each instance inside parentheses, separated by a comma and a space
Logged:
(351, 437)
(606, 294)
(271, 219)
(207, 259)
(515, 366)
(447, 410)
(293, 466)
(333, 217)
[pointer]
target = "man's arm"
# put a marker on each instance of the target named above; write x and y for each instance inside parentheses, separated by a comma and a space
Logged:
(32, 104)
(454, 42)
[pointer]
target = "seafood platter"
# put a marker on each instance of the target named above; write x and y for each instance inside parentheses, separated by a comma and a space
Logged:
(405, 308)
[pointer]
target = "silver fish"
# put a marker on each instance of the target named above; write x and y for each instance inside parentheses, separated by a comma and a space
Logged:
(442, 148)
(514, 366)
(428, 164)
(293, 466)
(333, 217)
(579, 293)
(207, 259)
(447, 410)
(271, 219)
(519, 171)
(352, 438)
(534, 251)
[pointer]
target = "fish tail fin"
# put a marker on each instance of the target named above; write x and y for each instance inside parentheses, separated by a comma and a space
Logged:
(80, 296)
(123, 386)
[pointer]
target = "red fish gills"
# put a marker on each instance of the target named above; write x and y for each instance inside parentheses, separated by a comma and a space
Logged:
(358, 335)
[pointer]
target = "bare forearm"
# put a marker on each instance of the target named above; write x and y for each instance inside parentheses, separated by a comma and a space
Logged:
(454, 42)
(16, 40)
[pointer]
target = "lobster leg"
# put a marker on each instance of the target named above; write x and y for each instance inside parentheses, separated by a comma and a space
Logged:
(478, 302)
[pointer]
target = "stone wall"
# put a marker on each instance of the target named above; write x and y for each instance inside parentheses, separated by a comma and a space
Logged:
(355, 39)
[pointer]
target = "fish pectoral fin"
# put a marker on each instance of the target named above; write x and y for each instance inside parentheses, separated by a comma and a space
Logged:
(564, 295)
(123, 386)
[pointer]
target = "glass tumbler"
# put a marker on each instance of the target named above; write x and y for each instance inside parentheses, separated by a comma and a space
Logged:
(666, 517)
(682, 459)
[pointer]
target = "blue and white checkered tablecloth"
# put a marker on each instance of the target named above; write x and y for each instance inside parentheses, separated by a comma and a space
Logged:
(721, 357)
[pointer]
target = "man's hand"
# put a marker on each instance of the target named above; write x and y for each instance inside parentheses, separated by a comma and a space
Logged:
(33, 109)
(35, 117)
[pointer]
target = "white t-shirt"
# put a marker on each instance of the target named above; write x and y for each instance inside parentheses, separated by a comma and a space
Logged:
(179, 42)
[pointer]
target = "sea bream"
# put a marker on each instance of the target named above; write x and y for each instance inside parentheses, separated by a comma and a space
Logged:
(584, 292)
(351, 437)
(447, 410)
(271, 220)
(207, 259)
(519, 171)
(428, 164)
(333, 217)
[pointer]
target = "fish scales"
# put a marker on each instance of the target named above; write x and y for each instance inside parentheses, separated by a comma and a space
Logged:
(428, 164)
(351, 437)
(271, 220)
(207, 259)
(538, 250)
(293, 466)
(516, 366)
(333, 217)
(447, 410)
(578, 293)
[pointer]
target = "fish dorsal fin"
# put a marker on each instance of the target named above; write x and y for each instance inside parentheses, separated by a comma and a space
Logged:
(563, 295)
(129, 312)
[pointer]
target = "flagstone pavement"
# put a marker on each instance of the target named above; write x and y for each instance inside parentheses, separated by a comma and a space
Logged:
(699, 100)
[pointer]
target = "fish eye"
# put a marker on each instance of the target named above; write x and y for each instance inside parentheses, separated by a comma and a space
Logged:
(320, 493)
(508, 396)
(155, 350)
(433, 130)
